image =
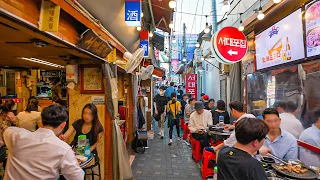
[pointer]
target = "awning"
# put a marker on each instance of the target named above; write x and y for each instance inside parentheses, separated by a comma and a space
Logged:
(181, 69)
(158, 41)
(162, 14)
(158, 72)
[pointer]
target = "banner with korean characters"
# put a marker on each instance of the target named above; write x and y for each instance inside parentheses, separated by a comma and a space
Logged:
(191, 85)
(312, 21)
(281, 43)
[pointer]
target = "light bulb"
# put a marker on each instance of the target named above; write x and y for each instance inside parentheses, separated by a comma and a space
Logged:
(197, 45)
(142, 14)
(172, 4)
(151, 34)
(207, 29)
(184, 59)
(171, 25)
(139, 28)
(174, 40)
(241, 28)
(260, 15)
(276, 1)
(202, 58)
(226, 6)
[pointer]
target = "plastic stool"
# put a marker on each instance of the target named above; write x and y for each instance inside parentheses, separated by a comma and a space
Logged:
(214, 144)
(196, 149)
(208, 163)
(182, 123)
(91, 169)
(186, 131)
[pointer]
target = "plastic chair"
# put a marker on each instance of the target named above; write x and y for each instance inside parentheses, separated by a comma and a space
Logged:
(186, 131)
(92, 167)
(208, 163)
(196, 149)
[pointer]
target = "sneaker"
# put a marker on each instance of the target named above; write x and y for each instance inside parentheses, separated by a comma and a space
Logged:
(159, 133)
(178, 139)
(162, 137)
(170, 142)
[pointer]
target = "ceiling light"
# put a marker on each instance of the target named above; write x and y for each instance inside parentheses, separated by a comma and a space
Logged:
(42, 62)
(241, 27)
(184, 59)
(142, 14)
(197, 45)
(276, 1)
(207, 29)
(260, 15)
(151, 34)
(202, 58)
(226, 6)
(139, 28)
(172, 4)
(171, 25)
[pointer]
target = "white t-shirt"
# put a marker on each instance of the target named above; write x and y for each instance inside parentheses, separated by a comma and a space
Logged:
(291, 124)
(201, 121)
(232, 140)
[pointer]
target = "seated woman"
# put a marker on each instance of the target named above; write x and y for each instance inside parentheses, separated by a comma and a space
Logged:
(221, 111)
(88, 125)
(30, 118)
(6, 108)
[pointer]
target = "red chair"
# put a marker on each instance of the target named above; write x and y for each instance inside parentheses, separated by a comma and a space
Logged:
(186, 131)
(182, 123)
(196, 149)
(214, 144)
(208, 163)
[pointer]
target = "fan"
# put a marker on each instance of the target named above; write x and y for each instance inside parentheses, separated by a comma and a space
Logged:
(133, 60)
(147, 72)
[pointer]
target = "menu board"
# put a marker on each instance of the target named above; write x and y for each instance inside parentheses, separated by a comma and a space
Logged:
(281, 43)
(312, 20)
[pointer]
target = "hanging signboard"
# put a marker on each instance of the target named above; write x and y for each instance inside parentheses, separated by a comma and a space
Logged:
(133, 13)
(229, 45)
(144, 44)
(281, 43)
(112, 56)
(49, 16)
(191, 85)
(312, 20)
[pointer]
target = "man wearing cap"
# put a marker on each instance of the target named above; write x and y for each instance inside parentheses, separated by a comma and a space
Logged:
(205, 100)
(199, 122)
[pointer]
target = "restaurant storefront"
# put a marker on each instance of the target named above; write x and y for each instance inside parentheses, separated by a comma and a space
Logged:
(286, 59)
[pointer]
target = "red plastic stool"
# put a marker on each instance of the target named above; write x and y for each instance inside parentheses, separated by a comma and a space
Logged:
(196, 149)
(186, 131)
(215, 144)
(182, 123)
(208, 163)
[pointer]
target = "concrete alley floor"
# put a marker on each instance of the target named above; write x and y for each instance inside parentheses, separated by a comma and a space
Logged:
(163, 162)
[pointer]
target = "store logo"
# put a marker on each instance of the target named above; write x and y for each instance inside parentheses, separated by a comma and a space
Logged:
(274, 31)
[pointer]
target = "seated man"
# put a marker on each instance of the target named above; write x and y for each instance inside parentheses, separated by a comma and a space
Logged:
(41, 154)
(237, 163)
(282, 144)
(199, 122)
(311, 136)
(188, 110)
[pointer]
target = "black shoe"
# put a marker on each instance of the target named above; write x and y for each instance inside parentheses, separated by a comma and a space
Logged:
(169, 143)
(162, 137)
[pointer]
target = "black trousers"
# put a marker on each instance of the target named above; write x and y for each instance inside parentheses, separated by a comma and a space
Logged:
(175, 123)
(203, 138)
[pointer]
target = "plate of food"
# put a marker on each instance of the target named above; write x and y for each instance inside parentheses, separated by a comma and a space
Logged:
(313, 37)
(313, 12)
(295, 171)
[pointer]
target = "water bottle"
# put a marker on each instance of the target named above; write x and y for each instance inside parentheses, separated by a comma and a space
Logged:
(87, 151)
(221, 120)
(215, 175)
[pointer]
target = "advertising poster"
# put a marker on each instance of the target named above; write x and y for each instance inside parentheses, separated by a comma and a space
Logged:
(191, 84)
(281, 43)
(312, 19)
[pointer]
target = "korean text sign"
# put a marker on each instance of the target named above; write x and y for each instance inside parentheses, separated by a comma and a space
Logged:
(49, 16)
(191, 85)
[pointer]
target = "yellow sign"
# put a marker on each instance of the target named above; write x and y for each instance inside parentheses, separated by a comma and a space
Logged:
(49, 16)
(112, 56)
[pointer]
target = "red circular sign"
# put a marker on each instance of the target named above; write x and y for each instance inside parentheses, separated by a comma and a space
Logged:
(230, 44)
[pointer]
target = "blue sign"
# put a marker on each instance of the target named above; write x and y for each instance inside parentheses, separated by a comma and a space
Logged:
(144, 44)
(133, 13)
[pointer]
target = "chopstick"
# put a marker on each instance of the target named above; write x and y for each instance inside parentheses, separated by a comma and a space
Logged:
(277, 158)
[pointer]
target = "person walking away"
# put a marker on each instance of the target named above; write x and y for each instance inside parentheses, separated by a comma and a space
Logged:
(210, 105)
(160, 104)
(180, 93)
(30, 118)
(174, 107)
(51, 156)
(221, 111)
(237, 111)
(199, 124)
(170, 90)
(289, 122)
(57, 92)
(312, 137)
(237, 163)
(189, 109)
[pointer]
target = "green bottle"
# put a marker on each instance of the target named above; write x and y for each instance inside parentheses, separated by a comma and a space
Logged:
(215, 175)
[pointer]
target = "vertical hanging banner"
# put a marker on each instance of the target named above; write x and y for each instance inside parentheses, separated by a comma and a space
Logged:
(144, 42)
(112, 56)
(133, 13)
(191, 85)
(49, 16)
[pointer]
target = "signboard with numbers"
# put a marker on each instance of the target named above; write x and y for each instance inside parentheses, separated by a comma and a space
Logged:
(229, 45)
(191, 85)
(133, 13)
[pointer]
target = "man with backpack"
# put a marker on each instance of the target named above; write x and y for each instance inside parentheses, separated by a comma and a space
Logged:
(160, 102)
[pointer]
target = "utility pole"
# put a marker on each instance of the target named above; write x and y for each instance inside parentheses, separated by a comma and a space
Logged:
(184, 41)
(214, 17)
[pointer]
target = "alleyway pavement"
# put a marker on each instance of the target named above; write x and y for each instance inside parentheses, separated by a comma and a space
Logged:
(163, 162)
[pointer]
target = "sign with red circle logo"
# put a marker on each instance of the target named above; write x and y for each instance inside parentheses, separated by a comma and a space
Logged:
(230, 45)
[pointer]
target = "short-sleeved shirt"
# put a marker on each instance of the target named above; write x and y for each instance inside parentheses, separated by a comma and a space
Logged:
(28, 120)
(174, 108)
(188, 109)
(236, 164)
(161, 102)
(77, 126)
(310, 136)
(216, 114)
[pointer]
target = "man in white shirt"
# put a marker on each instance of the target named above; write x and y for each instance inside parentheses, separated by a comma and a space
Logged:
(41, 154)
(289, 122)
(237, 111)
(199, 123)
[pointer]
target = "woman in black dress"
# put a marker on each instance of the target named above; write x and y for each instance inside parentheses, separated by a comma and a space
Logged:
(220, 111)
